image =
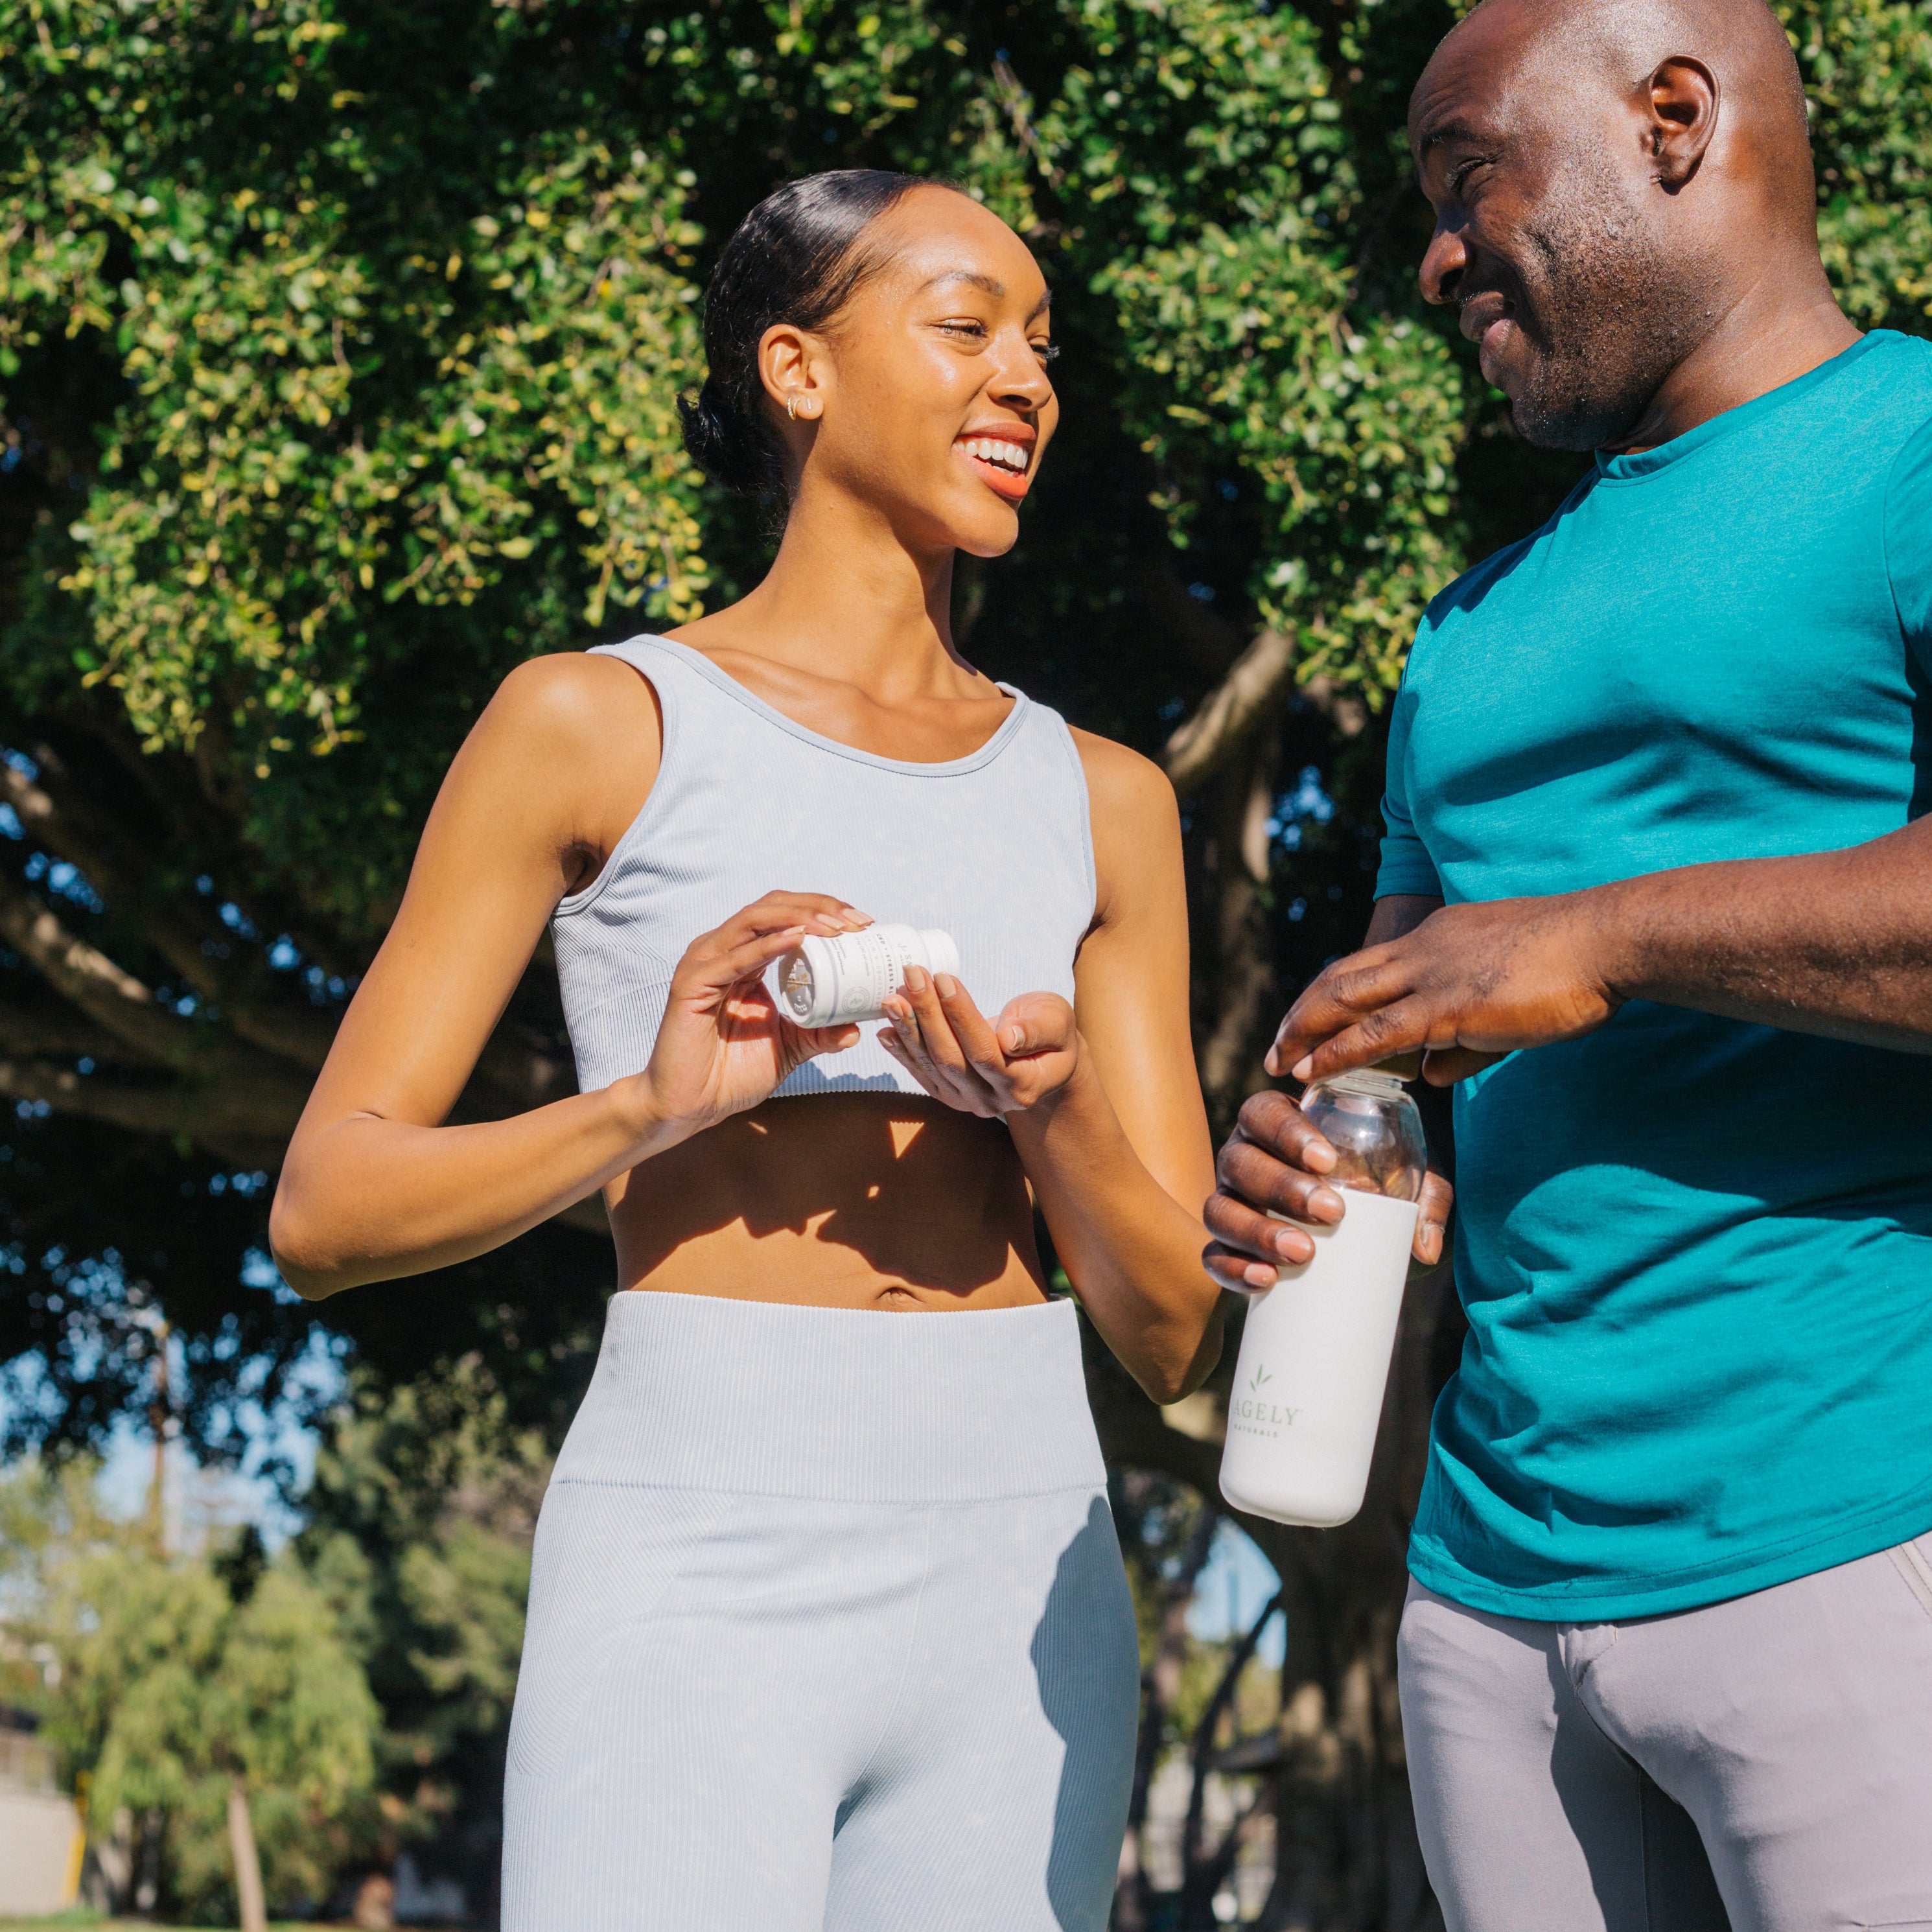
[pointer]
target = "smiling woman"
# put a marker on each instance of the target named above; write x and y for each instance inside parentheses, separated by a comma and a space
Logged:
(881, 1547)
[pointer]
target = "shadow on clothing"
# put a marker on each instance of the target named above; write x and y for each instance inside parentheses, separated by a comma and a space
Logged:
(1086, 1656)
(1657, 1876)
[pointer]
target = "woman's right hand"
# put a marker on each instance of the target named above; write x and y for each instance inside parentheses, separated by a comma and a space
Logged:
(723, 1046)
(1272, 1174)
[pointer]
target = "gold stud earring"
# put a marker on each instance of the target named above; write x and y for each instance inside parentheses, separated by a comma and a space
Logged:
(791, 408)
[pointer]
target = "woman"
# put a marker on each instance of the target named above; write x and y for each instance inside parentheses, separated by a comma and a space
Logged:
(828, 1625)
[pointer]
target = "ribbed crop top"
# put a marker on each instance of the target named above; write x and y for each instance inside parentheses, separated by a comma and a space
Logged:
(996, 848)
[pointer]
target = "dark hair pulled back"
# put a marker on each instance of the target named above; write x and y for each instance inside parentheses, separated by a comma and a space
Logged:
(795, 258)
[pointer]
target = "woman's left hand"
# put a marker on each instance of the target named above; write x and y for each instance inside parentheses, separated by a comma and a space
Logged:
(992, 1068)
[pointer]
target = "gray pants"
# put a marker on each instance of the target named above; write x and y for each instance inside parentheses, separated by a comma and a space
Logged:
(1763, 1765)
(828, 1632)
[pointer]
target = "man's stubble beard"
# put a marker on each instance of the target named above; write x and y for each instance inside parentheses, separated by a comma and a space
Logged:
(1609, 315)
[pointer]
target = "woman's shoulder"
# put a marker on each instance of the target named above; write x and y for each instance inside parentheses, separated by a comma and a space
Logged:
(1122, 783)
(576, 702)
(582, 732)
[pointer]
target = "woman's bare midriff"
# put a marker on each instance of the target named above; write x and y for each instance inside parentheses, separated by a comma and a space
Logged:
(837, 1200)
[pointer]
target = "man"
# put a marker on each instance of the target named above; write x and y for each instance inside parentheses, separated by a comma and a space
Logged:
(1657, 891)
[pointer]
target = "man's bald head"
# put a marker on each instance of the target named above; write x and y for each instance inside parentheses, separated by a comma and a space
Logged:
(1604, 174)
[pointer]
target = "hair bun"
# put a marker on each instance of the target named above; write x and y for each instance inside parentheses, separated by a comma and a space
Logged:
(724, 444)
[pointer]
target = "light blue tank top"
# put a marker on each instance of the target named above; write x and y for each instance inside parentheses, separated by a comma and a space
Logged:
(995, 848)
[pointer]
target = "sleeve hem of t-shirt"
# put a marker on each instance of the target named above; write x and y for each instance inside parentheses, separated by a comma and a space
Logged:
(1915, 623)
(1406, 872)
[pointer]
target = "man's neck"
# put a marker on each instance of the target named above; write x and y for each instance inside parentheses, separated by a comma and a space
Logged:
(1781, 327)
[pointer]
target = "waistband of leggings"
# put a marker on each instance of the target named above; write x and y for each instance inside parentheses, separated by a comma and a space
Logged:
(704, 1392)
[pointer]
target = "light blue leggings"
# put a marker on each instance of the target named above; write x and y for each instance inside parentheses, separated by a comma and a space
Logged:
(828, 1629)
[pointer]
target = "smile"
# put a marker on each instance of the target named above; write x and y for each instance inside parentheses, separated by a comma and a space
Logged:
(1002, 455)
(1000, 463)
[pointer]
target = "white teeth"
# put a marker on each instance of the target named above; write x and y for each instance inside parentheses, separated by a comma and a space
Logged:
(1001, 455)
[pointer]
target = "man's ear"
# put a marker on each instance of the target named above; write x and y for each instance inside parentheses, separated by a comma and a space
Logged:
(1682, 98)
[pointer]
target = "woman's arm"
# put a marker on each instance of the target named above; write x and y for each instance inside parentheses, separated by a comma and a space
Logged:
(1106, 1113)
(374, 1186)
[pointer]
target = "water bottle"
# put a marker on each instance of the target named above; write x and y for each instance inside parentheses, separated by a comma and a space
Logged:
(1314, 1352)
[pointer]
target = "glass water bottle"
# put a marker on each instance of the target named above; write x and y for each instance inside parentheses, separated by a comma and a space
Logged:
(1316, 1349)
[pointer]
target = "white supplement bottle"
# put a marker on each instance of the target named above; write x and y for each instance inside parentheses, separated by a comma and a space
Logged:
(1315, 1348)
(831, 982)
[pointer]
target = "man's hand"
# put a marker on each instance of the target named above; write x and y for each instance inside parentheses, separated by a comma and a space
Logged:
(1275, 1159)
(1468, 985)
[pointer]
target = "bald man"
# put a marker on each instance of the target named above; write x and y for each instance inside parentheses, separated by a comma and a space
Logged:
(1657, 893)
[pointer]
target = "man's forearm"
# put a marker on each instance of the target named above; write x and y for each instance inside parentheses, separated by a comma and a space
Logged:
(1832, 943)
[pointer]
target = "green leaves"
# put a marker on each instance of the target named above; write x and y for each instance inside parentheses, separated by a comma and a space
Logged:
(1868, 70)
(168, 1690)
(380, 323)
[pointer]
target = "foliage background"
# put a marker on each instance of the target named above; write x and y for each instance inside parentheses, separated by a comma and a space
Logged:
(339, 348)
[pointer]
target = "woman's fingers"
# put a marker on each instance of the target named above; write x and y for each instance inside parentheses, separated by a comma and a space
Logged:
(1034, 1023)
(915, 1063)
(827, 1039)
(925, 1029)
(970, 1028)
(935, 1029)
(731, 966)
(846, 918)
(796, 913)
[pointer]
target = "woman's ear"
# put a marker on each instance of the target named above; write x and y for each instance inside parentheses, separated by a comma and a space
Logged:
(792, 366)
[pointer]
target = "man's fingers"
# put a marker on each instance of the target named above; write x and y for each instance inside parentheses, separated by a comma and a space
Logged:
(1235, 1225)
(1340, 995)
(1400, 1028)
(1446, 1065)
(1236, 1271)
(1262, 1181)
(1272, 1120)
(1431, 1225)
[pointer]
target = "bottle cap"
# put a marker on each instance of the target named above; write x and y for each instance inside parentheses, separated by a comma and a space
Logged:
(1375, 1081)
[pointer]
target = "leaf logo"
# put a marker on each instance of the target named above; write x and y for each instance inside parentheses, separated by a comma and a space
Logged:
(1260, 1376)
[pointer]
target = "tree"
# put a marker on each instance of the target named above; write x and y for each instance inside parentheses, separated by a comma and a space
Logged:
(338, 347)
(216, 1706)
(420, 1521)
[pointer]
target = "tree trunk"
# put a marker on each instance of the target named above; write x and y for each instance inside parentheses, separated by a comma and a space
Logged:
(1235, 868)
(247, 1865)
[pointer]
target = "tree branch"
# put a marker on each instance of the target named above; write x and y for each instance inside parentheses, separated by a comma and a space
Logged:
(85, 835)
(90, 980)
(1204, 744)
(51, 1037)
(201, 1113)
(121, 863)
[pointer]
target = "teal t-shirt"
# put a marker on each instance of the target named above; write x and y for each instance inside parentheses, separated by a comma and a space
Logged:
(1696, 1255)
